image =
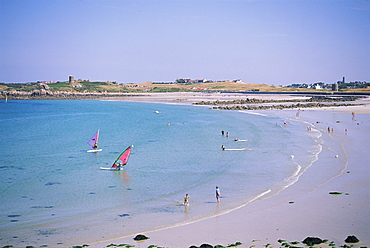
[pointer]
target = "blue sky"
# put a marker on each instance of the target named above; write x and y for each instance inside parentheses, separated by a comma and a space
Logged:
(259, 41)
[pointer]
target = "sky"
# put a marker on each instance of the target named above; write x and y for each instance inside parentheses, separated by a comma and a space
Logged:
(277, 42)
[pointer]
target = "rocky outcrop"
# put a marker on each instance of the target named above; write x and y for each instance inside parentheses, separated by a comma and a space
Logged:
(351, 239)
(310, 241)
(48, 94)
(140, 237)
(259, 101)
(282, 106)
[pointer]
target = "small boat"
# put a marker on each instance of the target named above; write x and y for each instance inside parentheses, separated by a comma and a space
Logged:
(120, 161)
(93, 142)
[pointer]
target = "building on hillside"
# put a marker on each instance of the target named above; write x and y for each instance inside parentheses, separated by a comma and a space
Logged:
(190, 81)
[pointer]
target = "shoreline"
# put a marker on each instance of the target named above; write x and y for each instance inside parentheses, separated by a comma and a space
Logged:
(314, 213)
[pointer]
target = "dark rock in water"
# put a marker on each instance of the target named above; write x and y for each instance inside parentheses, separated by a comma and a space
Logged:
(206, 246)
(310, 241)
(140, 237)
(351, 239)
(42, 207)
(51, 183)
(123, 215)
(14, 215)
(335, 193)
(193, 246)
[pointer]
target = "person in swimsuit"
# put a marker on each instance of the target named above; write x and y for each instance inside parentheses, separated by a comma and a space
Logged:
(218, 194)
(186, 199)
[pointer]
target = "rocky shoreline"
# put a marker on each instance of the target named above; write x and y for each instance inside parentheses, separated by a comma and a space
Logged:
(48, 94)
(282, 106)
(253, 104)
(307, 242)
(262, 101)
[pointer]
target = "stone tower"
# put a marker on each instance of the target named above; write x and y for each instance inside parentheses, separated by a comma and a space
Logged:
(334, 87)
(71, 79)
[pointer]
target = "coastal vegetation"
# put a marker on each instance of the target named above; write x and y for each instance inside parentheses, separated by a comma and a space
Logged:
(88, 89)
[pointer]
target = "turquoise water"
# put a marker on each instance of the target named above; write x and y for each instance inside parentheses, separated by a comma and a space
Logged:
(51, 188)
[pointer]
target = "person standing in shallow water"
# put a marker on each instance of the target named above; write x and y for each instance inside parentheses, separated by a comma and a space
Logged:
(186, 200)
(218, 194)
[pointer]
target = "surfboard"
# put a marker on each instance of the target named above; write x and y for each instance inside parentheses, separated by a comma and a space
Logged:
(106, 168)
(95, 150)
(236, 149)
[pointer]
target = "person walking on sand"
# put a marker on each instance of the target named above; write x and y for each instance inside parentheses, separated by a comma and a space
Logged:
(218, 194)
(186, 200)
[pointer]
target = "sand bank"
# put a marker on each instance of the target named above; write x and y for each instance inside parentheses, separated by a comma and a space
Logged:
(191, 97)
(305, 209)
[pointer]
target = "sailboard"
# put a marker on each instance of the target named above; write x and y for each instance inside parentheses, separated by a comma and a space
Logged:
(120, 161)
(236, 149)
(93, 142)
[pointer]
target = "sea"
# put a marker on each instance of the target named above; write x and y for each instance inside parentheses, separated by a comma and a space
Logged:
(53, 192)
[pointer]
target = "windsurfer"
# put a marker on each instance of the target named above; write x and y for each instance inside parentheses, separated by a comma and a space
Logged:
(95, 146)
(223, 147)
(117, 166)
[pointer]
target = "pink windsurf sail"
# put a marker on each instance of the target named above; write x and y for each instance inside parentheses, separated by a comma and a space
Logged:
(122, 158)
(93, 142)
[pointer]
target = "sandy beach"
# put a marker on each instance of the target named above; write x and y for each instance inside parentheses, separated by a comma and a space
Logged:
(305, 209)
(192, 97)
